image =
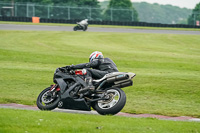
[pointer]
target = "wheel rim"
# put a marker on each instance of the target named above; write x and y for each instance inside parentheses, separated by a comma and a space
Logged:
(113, 98)
(46, 99)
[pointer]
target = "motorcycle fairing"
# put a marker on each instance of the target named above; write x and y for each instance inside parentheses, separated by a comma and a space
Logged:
(60, 78)
(67, 101)
(76, 104)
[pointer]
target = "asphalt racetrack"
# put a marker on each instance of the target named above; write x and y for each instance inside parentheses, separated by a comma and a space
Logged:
(161, 117)
(92, 29)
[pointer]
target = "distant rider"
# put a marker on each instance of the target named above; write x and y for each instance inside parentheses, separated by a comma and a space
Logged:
(100, 67)
(84, 23)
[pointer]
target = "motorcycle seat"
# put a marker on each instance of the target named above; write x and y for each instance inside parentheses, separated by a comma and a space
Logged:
(107, 76)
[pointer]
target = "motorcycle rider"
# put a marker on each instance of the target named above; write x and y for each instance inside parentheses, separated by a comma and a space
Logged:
(84, 23)
(100, 67)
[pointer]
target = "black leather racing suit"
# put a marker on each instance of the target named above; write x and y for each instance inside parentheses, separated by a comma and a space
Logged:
(100, 67)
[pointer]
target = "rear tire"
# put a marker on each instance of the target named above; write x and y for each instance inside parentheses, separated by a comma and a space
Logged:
(50, 103)
(115, 103)
(85, 28)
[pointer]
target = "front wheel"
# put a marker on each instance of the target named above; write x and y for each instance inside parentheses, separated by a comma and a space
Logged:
(75, 28)
(114, 103)
(48, 100)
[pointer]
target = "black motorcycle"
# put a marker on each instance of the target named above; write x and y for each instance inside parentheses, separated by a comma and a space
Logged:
(80, 27)
(106, 98)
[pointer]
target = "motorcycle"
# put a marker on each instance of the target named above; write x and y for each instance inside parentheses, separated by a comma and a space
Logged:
(106, 98)
(80, 27)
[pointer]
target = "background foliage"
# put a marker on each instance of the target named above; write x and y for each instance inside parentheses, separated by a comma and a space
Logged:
(195, 15)
(121, 15)
(156, 13)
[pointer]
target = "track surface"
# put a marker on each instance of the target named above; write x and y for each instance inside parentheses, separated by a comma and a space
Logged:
(26, 107)
(92, 29)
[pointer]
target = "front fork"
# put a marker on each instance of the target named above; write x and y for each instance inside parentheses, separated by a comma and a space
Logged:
(53, 91)
(55, 87)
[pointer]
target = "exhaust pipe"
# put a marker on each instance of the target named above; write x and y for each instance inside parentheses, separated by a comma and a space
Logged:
(124, 84)
(117, 78)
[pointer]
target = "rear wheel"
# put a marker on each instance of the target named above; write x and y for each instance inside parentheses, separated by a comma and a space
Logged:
(48, 100)
(114, 103)
(85, 28)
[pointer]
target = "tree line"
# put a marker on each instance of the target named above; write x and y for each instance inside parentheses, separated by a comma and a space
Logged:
(118, 10)
(195, 16)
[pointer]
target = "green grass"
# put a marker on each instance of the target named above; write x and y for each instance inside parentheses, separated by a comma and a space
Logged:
(167, 66)
(103, 26)
(24, 121)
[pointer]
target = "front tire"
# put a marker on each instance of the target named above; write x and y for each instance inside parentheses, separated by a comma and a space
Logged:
(114, 104)
(45, 102)
(75, 28)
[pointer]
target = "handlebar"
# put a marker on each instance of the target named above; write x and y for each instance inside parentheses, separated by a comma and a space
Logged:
(66, 70)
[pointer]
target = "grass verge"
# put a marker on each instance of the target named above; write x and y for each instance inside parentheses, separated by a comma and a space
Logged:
(24, 121)
(167, 66)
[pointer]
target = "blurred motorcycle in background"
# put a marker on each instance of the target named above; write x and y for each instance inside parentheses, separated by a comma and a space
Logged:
(83, 25)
